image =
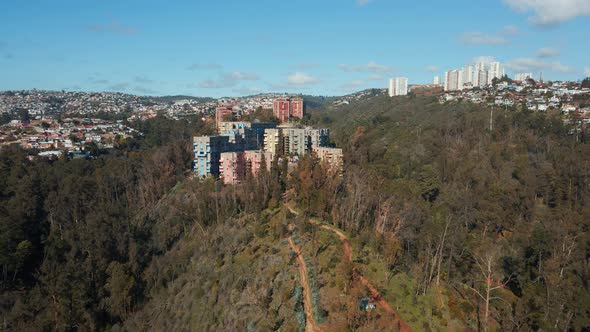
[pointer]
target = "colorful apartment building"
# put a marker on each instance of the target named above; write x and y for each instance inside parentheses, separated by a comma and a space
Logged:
(222, 113)
(252, 133)
(208, 151)
(241, 148)
(232, 169)
(256, 159)
(287, 108)
(235, 166)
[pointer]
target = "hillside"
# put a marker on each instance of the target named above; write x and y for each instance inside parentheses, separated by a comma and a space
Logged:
(438, 221)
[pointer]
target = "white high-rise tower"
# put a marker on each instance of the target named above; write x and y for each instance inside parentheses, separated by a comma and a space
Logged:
(398, 86)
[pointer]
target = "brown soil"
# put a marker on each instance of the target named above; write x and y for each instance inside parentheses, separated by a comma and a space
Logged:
(310, 324)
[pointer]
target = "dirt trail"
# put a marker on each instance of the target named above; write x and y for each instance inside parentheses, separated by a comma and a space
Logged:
(375, 294)
(310, 324)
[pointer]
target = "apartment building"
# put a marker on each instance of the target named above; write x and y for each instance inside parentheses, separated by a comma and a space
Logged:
(235, 166)
(295, 141)
(256, 159)
(287, 108)
(398, 86)
(331, 156)
(222, 113)
(208, 151)
(523, 76)
(272, 140)
(251, 134)
(317, 137)
(232, 167)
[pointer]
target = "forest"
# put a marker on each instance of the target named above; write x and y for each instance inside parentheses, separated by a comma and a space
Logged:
(464, 216)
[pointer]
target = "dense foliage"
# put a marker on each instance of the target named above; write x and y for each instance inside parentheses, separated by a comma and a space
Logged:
(491, 206)
(470, 207)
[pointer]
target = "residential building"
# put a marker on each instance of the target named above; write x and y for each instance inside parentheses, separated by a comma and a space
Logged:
(222, 113)
(280, 109)
(208, 151)
(496, 71)
(482, 78)
(250, 133)
(287, 108)
(468, 76)
(398, 86)
(331, 156)
(296, 108)
(317, 137)
(454, 80)
(272, 140)
(254, 160)
(522, 76)
(232, 167)
(436, 80)
(294, 141)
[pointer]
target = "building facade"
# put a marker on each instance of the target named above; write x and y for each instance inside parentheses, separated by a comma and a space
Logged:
(331, 156)
(496, 71)
(272, 140)
(436, 80)
(222, 113)
(523, 76)
(208, 151)
(453, 80)
(256, 159)
(398, 86)
(317, 137)
(287, 108)
(232, 167)
(295, 141)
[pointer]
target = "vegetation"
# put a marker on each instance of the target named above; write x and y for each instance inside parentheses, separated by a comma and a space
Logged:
(458, 226)
(498, 217)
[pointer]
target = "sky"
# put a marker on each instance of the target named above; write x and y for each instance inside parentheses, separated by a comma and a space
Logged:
(320, 47)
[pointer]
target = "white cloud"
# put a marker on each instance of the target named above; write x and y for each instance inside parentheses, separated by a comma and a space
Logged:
(533, 64)
(372, 66)
(301, 79)
(304, 65)
(484, 59)
(363, 2)
(551, 12)
(206, 66)
(143, 79)
(228, 80)
(240, 76)
(547, 52)
(248, 90)
(480, 38)
(510, 30)
(432, 69)
(211, 84)
(376, 77)
(586, 71)
(353, 84)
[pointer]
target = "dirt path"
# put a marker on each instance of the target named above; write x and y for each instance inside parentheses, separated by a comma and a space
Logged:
(310, 323)
(375, 294)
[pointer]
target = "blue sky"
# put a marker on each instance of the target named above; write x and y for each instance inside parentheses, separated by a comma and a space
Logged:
(238, 47)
